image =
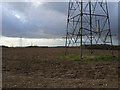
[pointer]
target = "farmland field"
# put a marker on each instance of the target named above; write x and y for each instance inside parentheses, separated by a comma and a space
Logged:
(44, 68)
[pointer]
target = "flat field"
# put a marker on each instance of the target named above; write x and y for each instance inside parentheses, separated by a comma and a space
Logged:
(44, 68)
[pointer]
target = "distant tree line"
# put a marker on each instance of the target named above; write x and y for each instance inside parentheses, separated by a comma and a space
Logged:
(102, 47)
(95, 46)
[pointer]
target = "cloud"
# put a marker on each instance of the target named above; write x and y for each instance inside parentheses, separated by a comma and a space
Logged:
(113, 13)
(41, 20)
(119, 23)
(58, 6)
(33, 19)
(15, 41)
(22, 7)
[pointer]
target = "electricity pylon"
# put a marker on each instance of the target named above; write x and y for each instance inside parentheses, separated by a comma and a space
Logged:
(88, 23)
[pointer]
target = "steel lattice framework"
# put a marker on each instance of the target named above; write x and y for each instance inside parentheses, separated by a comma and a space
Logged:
(88, 23)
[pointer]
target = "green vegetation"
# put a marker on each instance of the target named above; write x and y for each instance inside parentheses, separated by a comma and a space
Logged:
(89, 57)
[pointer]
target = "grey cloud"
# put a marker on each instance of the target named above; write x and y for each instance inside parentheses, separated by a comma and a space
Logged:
(49, 22)
(45, 21)
(58, 6)
(18, 6)
(113, 13)
(119, 23)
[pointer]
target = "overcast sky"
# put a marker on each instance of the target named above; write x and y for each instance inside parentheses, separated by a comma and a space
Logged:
(42, 19)
(34, 20)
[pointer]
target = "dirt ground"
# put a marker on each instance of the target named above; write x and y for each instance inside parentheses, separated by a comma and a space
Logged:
(42, 68)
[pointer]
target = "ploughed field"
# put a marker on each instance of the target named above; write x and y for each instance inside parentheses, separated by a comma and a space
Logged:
(44, 68)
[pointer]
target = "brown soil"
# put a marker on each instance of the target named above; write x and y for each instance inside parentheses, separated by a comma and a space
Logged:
(42, 68)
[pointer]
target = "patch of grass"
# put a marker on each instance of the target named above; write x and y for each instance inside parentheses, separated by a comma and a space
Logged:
(72, 57)
(89, 57)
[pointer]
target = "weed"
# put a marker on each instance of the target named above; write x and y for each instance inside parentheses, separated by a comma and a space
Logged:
(89, 57)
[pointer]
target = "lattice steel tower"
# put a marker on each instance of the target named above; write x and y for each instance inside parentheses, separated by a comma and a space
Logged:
(88, 23)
